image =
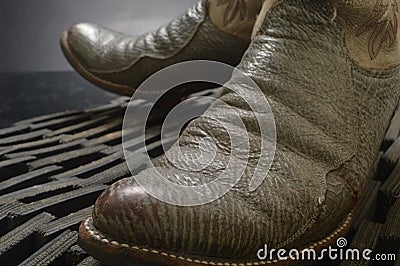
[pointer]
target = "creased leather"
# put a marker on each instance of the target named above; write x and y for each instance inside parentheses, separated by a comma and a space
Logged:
(377, 94)
(127, 60)
(330, 119)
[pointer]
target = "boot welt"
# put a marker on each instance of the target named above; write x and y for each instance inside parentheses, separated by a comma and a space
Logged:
(112, 252)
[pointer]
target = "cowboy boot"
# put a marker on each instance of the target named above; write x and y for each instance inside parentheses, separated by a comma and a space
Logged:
(213, 29)
(331, 106)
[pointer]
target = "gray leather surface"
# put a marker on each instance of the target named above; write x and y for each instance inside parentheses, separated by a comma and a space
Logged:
(127, 60)
(330, 117)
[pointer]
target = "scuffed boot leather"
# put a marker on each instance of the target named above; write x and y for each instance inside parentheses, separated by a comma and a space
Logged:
(331, 115)
(120, 63)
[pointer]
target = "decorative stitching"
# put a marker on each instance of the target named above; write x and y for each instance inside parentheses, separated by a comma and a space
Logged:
(383, 27)
(234, 9)
(103, 239)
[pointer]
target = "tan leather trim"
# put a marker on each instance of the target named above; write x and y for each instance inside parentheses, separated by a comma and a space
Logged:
(372, 34)
(235, 17)
(267, 5)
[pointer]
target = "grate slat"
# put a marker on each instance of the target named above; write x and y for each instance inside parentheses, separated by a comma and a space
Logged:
(55, 166)
(52, 250)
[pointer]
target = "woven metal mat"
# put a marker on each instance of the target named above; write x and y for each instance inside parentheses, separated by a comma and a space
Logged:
(53, 167)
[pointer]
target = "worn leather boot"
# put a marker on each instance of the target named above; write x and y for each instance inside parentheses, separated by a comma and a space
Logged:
(213, 29)
(332, 103)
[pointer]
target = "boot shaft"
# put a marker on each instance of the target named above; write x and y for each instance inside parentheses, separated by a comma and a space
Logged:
(331, 109)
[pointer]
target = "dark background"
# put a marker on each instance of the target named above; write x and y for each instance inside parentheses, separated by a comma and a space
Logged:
(35, 78)
(30, 29)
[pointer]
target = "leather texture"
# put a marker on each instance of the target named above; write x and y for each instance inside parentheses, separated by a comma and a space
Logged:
(371, 32)
(125, 60)
(236, 18)
(330, 116)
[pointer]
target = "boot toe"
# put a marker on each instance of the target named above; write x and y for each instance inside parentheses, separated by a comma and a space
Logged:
(95, 48)
(126, 213)
(80, 44)
(120, 210)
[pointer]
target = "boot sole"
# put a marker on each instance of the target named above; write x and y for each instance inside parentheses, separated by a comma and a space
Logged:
(114, 253)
